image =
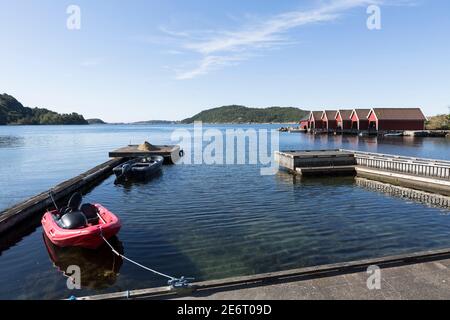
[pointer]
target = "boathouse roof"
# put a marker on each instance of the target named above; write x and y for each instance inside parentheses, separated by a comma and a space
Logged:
(399, 114)
(345, 114)
(361, 113)
(316, 115)
(330, 114)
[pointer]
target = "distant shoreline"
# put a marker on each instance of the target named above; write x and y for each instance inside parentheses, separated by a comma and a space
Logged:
(148, 124)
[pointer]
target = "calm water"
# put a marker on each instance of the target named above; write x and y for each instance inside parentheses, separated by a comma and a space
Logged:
(205, 221)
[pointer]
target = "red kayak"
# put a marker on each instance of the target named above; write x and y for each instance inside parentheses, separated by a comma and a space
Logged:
(82, 227)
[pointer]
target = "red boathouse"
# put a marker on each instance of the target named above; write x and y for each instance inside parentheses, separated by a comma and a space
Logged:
(359, 119)
(329, 119)
(343, 119)
(315, 121)
(304, 124)
(391, 119)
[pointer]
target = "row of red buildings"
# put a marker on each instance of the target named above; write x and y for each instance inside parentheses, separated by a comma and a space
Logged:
(376, 119)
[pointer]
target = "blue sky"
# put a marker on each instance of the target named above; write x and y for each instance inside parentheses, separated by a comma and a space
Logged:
(169, 59)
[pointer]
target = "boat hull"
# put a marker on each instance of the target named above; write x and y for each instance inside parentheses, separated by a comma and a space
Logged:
(89, 237)
(140, 168)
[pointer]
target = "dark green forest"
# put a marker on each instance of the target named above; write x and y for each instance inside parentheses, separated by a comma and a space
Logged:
(12, 112)
(242, 114)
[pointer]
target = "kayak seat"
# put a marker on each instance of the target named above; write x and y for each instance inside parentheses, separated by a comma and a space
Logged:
(90, 212)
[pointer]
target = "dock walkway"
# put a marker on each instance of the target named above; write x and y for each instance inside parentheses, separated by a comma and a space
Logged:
(429, 175)
(426, 281)
(422, 275)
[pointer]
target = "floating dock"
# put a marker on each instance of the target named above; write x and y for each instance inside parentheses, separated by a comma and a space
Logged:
(317, 162)
(421, 174)
(36, 206)
(423, 275)
(171, 153)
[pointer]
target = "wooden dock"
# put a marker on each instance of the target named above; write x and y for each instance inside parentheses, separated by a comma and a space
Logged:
(36, 206)
(171, 153)
(421, 275)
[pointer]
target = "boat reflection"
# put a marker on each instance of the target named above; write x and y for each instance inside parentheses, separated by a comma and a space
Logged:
(99, 268)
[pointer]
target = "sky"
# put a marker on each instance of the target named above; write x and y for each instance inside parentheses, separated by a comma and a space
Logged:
(170, 59)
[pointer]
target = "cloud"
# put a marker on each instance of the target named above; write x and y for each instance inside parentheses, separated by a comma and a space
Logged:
(222, 48)
(207, 64)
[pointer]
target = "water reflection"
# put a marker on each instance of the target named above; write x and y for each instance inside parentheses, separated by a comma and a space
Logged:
(99, 268)
(286, 178)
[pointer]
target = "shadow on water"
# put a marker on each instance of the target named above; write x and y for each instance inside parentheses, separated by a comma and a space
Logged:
(99, 268)
(286, 178)
(11, 141)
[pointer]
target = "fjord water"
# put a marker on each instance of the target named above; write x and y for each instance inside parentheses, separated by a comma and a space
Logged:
(205, 221)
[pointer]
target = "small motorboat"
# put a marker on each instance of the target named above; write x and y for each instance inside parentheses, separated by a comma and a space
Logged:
(139, 168)
(79, 225)
(394, 134)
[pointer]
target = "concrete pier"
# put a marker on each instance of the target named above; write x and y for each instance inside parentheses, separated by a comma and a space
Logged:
(423, 275)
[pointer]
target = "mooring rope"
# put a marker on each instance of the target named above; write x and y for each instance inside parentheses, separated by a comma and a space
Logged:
(137, 263)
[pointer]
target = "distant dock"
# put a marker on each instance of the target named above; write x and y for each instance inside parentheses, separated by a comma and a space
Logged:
(171, 153)
(431, 176)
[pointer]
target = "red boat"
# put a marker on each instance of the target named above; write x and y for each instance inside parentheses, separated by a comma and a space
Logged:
(80, 227)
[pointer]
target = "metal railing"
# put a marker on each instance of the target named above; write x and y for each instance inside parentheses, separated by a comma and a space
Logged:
(409, 165)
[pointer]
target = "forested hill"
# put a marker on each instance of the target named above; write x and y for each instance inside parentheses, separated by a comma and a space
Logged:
(13, 112)
(242, 114)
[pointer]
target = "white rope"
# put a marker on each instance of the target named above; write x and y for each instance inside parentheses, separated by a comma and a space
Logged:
(134, 262)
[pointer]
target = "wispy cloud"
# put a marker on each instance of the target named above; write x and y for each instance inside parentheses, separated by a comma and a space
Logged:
(222, 48)
(209, 63)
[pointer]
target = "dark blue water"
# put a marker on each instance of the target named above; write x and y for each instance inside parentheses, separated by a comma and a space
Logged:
(206, 221)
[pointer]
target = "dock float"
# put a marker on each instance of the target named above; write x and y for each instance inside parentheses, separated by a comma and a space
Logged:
(317, 162)
(171, 153)
(36, 206)
(427, 175)
(422, 275)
